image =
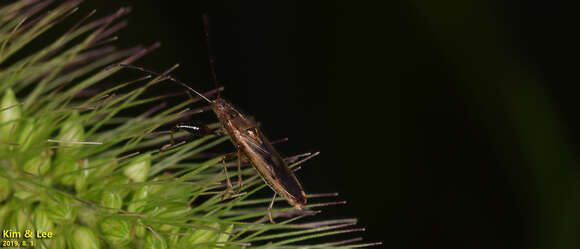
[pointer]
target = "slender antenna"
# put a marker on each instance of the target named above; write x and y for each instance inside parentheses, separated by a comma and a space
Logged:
(169, 77)
(210, 56)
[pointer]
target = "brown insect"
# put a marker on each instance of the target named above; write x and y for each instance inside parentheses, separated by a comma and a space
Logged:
(248, 139)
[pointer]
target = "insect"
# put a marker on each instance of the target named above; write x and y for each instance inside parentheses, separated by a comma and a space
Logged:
(248, 139)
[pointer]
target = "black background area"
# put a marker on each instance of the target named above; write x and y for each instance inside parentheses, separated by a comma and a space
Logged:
(443, 124)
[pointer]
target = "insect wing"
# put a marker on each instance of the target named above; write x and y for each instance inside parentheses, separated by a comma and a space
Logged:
(271, 166)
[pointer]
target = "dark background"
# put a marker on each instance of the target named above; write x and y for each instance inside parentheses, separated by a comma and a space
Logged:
(445, 124)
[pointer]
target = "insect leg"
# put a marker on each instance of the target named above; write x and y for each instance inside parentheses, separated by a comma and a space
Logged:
(239, 156)
(229, 184)
(171, 134)
(282, 140)
(195, 128)
(239, 171)
(192, 128)
(270, 209)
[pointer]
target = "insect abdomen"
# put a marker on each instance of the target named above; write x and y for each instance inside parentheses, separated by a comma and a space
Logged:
(273, 169)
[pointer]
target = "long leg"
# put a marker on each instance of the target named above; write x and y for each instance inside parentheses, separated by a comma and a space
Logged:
(281, 140)
(239, 171)
(172, 140)
(229, 184)
(270, 209)
(239, 156)
(193, 128)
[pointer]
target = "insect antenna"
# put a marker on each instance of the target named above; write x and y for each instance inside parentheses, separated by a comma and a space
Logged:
(169, 77)
(210, 56)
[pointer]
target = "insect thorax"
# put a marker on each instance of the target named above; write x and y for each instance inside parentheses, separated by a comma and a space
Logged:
(230, 117)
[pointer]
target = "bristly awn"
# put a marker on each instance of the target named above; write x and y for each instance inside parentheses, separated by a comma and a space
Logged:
(248, 139)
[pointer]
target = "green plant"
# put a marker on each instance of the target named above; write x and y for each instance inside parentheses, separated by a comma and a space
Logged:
(73, 164)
